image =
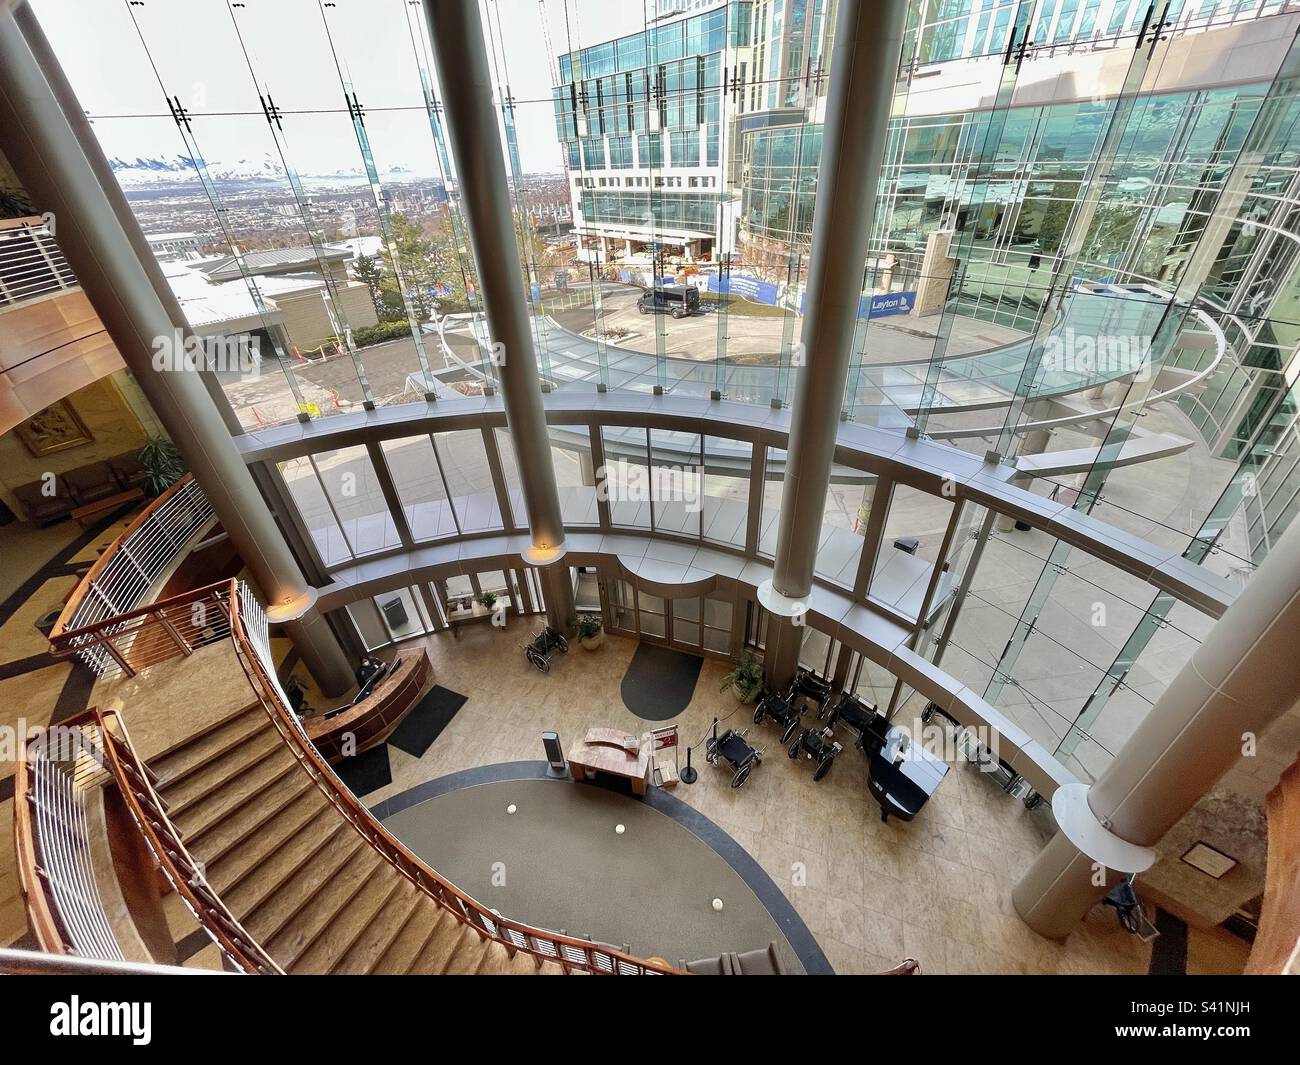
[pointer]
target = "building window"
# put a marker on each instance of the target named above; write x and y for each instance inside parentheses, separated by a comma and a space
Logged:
(685, 147)
(620, 153)
(650, 149)
(593, 153)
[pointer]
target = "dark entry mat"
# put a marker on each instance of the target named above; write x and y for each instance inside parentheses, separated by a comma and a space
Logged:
(425, 723)
(659, 682)
(367, 771)
(1169, 951)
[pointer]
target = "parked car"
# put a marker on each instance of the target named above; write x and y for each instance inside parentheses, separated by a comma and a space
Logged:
(677, 300)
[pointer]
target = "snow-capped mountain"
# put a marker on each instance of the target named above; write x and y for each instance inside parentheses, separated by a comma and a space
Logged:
(179, 169)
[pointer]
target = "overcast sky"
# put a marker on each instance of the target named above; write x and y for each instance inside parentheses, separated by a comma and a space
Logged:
(194, 47)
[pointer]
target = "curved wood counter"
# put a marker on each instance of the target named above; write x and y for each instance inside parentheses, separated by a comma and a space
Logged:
(1277, 946)
(409, 678)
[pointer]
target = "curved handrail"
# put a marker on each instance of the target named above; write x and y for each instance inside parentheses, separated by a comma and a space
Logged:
(52, 842)
(34, 264)
(68, 623)
(15, 962)
(165, 841)
(47, 926)
(1199, 377)
(136, 639)
(568, 951)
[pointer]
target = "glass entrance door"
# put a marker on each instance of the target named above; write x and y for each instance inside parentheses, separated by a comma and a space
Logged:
(694, 624)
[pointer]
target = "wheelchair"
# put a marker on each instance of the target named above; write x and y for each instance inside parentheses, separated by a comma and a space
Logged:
(808, 685)
(786, 710)
(818, 745)
(539, 649)
(862, 719)
(733, 748)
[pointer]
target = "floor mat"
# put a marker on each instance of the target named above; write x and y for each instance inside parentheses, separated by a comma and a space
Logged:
(659, 682)
(1169, 951)
(425, 723)
(367, 771)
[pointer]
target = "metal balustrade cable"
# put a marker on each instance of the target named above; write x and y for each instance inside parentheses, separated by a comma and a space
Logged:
(128, 572)
(61, 840)
(31, 264)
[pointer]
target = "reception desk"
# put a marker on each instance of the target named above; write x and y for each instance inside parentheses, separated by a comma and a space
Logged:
(409, 678)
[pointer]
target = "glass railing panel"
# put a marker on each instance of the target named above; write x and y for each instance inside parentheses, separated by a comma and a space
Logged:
(467, 474)
(727, 470)
(315, 511)
(413, 465)
(627, 476)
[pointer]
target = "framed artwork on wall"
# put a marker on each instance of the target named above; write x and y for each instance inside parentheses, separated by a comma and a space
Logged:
(56, 428)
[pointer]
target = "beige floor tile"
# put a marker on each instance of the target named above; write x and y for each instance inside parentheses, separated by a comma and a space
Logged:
(31, 696)
(936, 889)
(929, 948)
(19, 636)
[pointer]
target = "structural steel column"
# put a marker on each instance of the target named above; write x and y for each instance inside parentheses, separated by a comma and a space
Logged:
(1244, 676)
(864, 67)
(48, 141)
(456, 32)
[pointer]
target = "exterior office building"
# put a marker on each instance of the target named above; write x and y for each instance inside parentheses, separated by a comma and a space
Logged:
(655, 141)
(1083, 574)
(1005, 182)
(640, 119)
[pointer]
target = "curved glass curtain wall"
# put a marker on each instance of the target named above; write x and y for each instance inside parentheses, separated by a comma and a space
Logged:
(302, 143)
(448, 485)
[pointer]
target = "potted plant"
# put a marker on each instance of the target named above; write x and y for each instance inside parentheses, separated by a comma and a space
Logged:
(162, 463)
(591, 633)
(745, 679)
(488, 600)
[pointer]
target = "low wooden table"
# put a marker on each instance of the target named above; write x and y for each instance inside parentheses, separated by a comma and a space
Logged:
(602, 751)
(91, 510)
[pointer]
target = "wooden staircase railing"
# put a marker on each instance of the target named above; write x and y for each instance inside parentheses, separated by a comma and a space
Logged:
(1277, 945)
(52, 845)
(248, 631)
(127, 643)
(185, 874)
(102, 620)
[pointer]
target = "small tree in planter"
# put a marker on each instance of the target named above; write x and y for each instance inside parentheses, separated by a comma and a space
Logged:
(745, 678)
(591, 633)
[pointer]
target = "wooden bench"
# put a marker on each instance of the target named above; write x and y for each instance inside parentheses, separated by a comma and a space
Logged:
(83, 515)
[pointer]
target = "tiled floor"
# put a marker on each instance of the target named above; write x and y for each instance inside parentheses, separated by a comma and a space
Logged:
(19, 636)
(937, 889)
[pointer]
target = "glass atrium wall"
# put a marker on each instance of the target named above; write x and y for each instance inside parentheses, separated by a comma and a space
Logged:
(1084, 259)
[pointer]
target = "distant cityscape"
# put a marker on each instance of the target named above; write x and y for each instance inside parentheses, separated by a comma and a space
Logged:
(259, 206)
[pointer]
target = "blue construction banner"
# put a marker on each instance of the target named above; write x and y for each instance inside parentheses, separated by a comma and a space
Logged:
(887, 303)
(743, 285)
(881, 305)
